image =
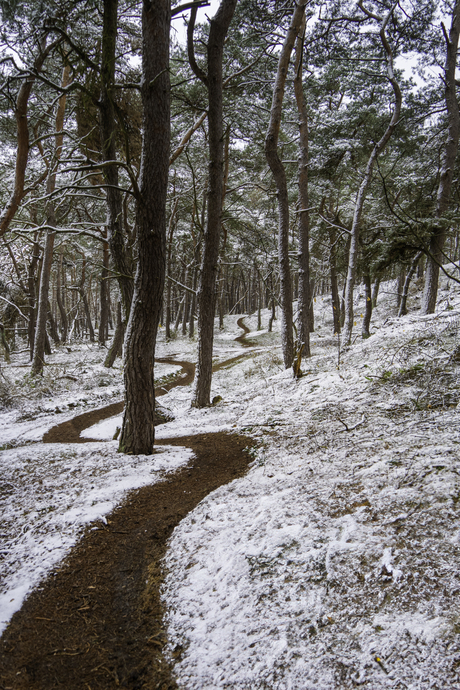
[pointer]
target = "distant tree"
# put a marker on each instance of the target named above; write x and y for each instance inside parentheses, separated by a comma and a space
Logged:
(20, 103)
(367, 178)
(305, 298)
(279, 174)
(43, 297)
(213, 81)
(436, 256)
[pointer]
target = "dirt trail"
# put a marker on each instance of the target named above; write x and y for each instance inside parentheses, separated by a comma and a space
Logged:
(242, 338)
(69, 432)
(97, 622)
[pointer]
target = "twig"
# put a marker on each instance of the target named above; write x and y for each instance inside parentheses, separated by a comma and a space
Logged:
(351, 428)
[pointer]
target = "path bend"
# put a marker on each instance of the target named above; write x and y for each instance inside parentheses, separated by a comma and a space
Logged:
(96, 623)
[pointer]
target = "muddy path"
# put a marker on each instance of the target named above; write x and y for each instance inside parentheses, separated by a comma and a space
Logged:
(97, 621)
(242, 338)
(69, 432)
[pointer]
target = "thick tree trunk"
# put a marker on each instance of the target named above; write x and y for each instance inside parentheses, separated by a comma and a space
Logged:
(304, 298)
(279, 175)
(436, 256)
(38, 359)
(206, 297)
(138, 432)
(364, 186)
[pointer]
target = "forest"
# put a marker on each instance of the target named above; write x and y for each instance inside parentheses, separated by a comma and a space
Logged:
(249, 209)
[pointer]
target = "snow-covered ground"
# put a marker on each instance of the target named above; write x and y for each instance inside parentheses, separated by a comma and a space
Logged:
(334, 563)
(50, 492)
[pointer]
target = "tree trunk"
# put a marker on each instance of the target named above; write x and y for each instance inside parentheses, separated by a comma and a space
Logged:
(52, 326)
(334, 284)
(206, 297)
(279, 175)
(180, 310)
(109, 153)
(138, 432)
(61, 307)
(436, 255)
(191, 330)
(169, 270)
(368, 307)
(259, 303)
(116, 346)
(405, 291)
(32, 294)
(22, 137)
(399, 287)
(104, 313)
(304, 298)
(364, 186)
(375, 291)
(38, 359)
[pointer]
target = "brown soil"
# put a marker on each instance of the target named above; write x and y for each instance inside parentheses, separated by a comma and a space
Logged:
(69, 432)
(242, 338)
(97, 622)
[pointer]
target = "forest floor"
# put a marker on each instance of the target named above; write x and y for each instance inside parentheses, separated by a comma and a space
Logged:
(332, 562)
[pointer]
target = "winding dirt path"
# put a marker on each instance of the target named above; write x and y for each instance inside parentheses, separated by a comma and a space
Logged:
(69, 432)
(242, 338)
(97, 622)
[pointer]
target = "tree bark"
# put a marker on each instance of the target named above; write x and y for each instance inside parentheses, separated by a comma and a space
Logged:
(206, 297)
(279, 175)
(84, 299)
(368, 307)
(61, 307)
(375, 291)
(31, 281)
(52, 326)
(22, 129)
(108, 137)
(436, 256)
(304, 298)
(334, 283)
(410, 274)
(364, 186)
(38, 358)
(138, 432)
(116, 346)
(104, 292)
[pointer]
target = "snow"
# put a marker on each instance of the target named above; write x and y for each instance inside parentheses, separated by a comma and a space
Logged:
(334, 562)
(50, 492)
